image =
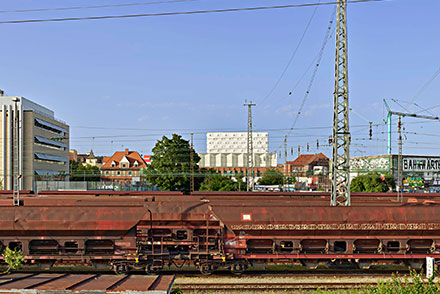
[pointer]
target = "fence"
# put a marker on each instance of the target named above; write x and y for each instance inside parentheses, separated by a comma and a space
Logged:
(87, 186)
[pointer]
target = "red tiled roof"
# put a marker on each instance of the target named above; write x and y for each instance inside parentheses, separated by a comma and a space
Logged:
(305, 159)
(132, 157)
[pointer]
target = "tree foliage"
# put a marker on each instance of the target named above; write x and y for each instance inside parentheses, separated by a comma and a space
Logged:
(170, 168)
(14, 258)
(372, 182)
(272, 177)
(217, 182)
(84, 172)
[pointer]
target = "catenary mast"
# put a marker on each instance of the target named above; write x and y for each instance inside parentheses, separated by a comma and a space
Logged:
(340, 193)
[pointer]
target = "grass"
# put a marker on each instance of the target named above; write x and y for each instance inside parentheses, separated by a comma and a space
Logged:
(415, 283)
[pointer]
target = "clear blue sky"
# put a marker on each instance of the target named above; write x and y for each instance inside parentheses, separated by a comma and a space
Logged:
(193, 72)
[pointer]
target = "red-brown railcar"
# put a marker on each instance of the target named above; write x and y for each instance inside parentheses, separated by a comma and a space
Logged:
(148, 231)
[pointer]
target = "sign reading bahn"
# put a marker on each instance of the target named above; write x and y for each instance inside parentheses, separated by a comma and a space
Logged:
(422, 164)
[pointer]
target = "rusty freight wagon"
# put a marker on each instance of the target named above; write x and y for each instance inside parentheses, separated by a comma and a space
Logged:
(147, 232)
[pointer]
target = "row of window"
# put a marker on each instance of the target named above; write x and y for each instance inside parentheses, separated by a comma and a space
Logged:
(47, 158)
(226, 135)
(49, 143)
(125, 165)
(118, 173)
(236, 172)
(49, 126)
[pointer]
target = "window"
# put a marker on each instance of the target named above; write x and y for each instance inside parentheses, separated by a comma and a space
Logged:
(129, 173)
(49, 126)
(118, 173)
(106, 173)
(49, 143)
(50, 158)
(113, 164)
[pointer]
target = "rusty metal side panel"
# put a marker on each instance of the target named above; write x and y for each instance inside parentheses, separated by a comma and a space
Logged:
(331, 220)
(70, 218)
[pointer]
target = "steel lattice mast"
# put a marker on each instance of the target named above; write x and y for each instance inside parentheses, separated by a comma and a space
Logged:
(250, 149)
(341, 133)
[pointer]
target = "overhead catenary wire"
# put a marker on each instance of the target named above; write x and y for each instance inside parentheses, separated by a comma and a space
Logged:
(315, 71)
(292, 56)
(425, 85)
(94, 6)
(179, 12)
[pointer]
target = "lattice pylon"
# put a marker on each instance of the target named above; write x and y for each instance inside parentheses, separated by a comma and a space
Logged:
(340, 193)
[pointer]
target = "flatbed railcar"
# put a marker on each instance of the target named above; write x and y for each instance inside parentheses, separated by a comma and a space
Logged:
(150, 231)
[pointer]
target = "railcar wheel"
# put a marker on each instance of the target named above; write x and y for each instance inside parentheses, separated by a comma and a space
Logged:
(120, 269)
(310, 263)
(152, 270)
(364, 264)
(238, 268)
(416, 264)
(206, 269)
(46, 265)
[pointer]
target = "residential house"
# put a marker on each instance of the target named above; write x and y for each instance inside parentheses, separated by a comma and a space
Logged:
(311, 171)
(124, 167)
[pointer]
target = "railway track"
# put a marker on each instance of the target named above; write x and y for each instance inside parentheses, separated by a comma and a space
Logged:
(270, 287)
(225, 273)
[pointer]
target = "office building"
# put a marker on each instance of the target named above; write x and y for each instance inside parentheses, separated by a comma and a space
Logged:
(34, 145)
(227, 153)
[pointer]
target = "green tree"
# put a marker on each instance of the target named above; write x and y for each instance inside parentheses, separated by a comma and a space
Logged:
(81, 172)
(373, 182)
(239, 177)
(217, 182)
(272, 177)
(170, 168)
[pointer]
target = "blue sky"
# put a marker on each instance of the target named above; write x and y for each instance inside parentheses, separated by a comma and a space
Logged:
(134, 80)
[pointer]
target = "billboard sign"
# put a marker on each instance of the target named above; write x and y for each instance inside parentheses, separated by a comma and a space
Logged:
(421, 164)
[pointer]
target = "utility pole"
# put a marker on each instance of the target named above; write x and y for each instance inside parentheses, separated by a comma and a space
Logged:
(399, 163)
(191, 156)
(285, 159)
(341, 134)
(16, 173)
(250, 149)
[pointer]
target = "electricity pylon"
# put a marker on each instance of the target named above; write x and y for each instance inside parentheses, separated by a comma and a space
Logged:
(250, 149)
(341, 134)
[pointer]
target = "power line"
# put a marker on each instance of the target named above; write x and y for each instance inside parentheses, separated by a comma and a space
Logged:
(177, 12)
(292, 56)
(423, 88)
(94, 6)
(315, 71)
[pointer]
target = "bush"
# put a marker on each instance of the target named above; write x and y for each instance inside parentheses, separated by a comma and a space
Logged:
(14, 258)
(398, 285)
(373, 182)
(404, 285)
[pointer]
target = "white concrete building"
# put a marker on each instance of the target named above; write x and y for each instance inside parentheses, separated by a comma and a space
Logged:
(236, 142)
(229, 150)
(41, 148)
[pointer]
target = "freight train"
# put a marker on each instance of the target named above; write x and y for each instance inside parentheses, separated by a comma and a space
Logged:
(218, 230)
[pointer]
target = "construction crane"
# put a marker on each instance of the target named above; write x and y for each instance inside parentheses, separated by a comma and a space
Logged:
(399, 130)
